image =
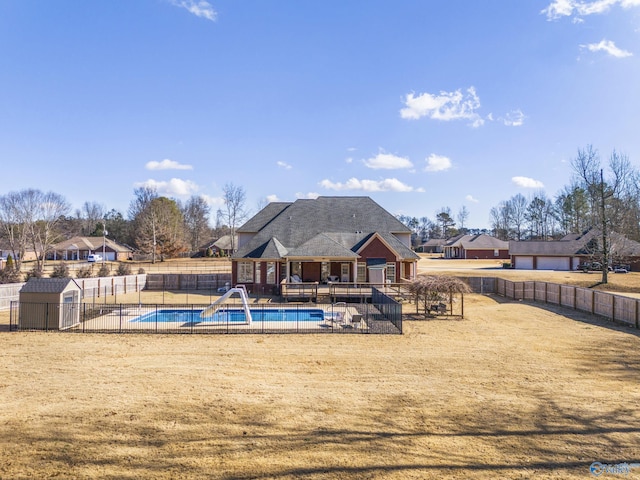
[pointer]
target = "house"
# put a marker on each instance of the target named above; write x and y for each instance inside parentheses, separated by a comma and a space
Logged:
(327, 239)
(433, 245)
(571, 251)
(220, 247)
(79, 248)
(5, 251)
(476, 246)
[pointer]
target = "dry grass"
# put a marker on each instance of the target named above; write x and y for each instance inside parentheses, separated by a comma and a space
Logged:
(511, 391)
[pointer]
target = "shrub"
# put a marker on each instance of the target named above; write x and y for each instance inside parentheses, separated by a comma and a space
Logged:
(104, 271)
(141, 271)
(33, 273)
(84, 272)
(123, 269)
(9, 274)
(60, 271)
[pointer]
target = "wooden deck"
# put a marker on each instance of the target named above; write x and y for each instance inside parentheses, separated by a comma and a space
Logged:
(334, 292)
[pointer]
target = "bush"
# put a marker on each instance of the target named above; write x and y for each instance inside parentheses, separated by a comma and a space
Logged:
(9, 274)
(84, 272)
(104, 271)
(123, 269)
(33, 273)
(141, 271)
(60, 271)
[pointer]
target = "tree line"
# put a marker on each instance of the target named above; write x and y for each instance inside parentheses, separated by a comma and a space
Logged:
(34, 221)
(602, 194)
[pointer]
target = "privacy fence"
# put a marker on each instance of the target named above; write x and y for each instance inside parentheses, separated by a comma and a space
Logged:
(614, 307)
(92, 288)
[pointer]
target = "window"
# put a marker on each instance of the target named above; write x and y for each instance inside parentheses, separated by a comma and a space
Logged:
(245, 272)
(271, 273)
(362, 272)
(391, 272)
(496, 252)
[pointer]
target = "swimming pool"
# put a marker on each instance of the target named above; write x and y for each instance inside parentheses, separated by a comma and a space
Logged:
(233, 316)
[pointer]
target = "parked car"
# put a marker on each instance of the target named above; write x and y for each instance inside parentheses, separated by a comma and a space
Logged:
(94, 257)
(592, 266)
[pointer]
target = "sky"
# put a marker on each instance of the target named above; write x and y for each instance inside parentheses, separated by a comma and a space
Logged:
(419, 104)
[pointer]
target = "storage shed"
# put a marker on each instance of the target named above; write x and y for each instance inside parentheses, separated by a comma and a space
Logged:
(49, 304)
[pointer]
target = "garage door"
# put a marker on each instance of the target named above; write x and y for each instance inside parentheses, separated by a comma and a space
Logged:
(553, 263)
(524, 263)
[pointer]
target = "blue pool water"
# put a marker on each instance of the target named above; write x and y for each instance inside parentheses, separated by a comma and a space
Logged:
(233, 316)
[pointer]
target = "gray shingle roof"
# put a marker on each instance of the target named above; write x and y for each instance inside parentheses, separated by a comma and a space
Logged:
(328, 226)
(481, 241)
(47, 285)
(583, 244)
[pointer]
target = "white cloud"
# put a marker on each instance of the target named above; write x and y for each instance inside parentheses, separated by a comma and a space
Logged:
(309, 195)
(167, 164)
(387, 161)
(470, 198)
(272, 198)
(566, 8)
(444, 106)
(348, 160)
(527, 182)
(284, 165)
(514, 118)
(437, 163)
(175, 186)
(386, 185)
(199, 8)
(609, 47)
(213, 202)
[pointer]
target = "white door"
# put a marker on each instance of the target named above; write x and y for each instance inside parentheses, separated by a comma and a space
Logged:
(524, 263)
(553, 263)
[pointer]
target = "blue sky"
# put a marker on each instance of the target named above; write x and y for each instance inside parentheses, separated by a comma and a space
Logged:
(419, 104)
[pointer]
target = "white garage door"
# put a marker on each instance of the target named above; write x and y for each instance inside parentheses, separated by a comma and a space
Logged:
(553, 263)
(524, 263)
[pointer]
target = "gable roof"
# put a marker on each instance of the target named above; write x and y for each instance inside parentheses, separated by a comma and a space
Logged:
(90, 243)
(576, 244)
(47, 285)
(477, 242)
(325, 226)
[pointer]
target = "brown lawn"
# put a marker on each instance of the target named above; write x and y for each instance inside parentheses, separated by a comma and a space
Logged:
(513, 390)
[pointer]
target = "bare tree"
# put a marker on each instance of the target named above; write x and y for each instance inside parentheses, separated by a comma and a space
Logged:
(233, 212)
(196, 220)
(587, 166)
(90, 216)
(29, 219)
(463, 216)
(518, 211)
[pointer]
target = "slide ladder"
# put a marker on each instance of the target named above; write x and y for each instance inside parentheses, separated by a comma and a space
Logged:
(244, 297)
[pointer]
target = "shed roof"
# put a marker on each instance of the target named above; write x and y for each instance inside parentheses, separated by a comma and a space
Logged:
(47, 285)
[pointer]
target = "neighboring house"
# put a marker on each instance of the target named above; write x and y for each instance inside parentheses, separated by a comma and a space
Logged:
(571, 251)
(327, 239)
(5, 251)
(433, 245)
(79, 248)
(476, 246)
(221, 247)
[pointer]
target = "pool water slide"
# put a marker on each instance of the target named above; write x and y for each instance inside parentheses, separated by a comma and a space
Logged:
(240, 290)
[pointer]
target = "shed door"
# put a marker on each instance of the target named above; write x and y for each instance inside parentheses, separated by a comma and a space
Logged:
(69, 310)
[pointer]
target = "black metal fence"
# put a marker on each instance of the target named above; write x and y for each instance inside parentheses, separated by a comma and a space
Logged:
(361, 318)
(389, 308)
